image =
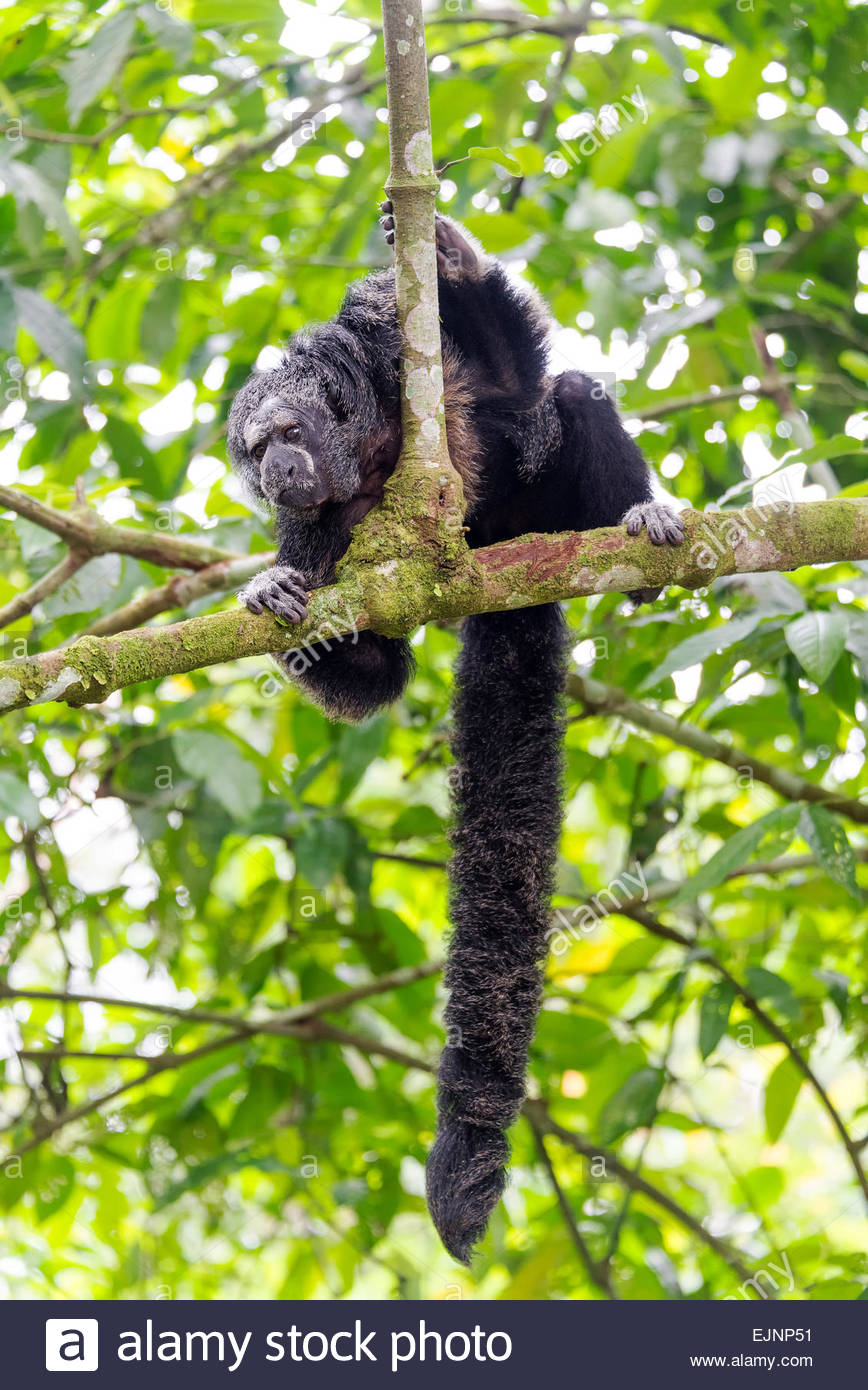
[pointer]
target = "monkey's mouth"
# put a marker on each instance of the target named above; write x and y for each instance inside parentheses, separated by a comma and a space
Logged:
(290, 501)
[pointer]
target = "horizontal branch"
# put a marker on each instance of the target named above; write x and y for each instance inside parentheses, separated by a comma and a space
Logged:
(571, 23)
(86, 531)
(598, 698)
(180, 591)
(673, 405)
(395, 596)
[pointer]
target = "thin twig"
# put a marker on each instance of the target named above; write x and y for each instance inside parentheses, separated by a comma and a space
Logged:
(650, 923)
(598, 1273)
(26, 601)
(179, 592)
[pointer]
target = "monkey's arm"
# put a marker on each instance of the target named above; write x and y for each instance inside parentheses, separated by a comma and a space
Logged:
(305, 559)
(609, 476)
(349, 675)
(499, 327)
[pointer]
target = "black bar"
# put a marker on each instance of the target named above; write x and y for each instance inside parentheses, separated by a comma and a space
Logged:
(424, 1344)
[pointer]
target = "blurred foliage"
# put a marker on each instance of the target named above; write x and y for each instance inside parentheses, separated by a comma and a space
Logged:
(182, 189)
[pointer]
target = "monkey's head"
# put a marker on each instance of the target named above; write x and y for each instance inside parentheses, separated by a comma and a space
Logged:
(313, 430)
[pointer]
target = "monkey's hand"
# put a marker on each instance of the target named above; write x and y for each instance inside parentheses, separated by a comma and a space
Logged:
(279, 589)
(456, 258)
(664, 527)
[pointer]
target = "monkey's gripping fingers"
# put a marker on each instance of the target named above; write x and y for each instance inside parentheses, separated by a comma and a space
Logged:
(387, 222)
(662, 524)
(279, 589)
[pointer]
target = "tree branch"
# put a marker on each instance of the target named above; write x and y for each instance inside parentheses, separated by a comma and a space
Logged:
(85, 531)
(598, 698)
(635, 1182)
(645, 919)
(316, 1031)
(394, 596)
(673, 405)
(598, 1273)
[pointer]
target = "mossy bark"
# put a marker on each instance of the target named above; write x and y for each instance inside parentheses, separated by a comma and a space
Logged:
(396, 595)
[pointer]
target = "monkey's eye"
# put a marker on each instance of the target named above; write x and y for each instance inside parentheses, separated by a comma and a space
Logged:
(258, 452)
(292, 433)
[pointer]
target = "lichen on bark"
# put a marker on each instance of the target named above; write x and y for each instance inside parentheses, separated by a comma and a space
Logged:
(395, 593)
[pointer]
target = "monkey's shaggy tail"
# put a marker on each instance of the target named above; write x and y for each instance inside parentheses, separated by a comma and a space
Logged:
(507, 793)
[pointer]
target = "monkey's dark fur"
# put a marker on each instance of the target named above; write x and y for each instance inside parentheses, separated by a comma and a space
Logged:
(317, 436)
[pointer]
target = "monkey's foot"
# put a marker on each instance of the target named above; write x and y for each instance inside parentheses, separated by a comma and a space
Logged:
(387, 221)
(662, 524)
(455, 255)
(279, 589)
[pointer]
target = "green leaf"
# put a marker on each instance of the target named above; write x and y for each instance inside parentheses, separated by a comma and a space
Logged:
(358, 746)
(219, 1165)
(158, 322)
(52, 331)
(838, 985)
(92, 68)
(830, 846)
(16, 799)
(633, 1106)
(854, 362)
(835, 447)
(8, 317)
(737, 850)
(175, 35)
(528, 156)
(321, 851)
(87, 590)
(55, 1184)
(714, 1014)
(216, 762)
(29, 186)
(782, 1089)
(268, 1089)
(701, 645)
(817, 641)
(497, 156)
(764, 984)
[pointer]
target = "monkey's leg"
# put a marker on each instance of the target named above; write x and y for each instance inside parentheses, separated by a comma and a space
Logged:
(612, 479)
(457, 258)
(499, 327)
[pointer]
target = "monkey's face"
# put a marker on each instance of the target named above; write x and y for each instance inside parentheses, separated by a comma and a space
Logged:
(312, 431)
(285, 452)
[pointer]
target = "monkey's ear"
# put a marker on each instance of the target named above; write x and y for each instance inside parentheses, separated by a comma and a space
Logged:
(336, 403)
